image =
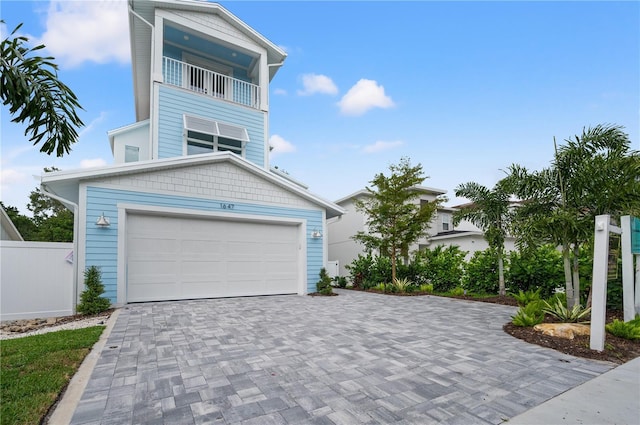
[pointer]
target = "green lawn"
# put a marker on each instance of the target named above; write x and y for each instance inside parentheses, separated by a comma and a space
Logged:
(36, 368)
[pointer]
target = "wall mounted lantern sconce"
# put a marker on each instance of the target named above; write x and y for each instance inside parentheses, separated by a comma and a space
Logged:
(316, 234)
(103, 221)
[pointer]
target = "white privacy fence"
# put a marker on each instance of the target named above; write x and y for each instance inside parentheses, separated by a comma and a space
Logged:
(36, 280)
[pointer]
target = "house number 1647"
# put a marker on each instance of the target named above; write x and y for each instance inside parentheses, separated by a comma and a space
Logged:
(226, 206)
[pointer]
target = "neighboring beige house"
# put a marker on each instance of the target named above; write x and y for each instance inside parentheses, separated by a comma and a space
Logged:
(343, 249)
(8, 231)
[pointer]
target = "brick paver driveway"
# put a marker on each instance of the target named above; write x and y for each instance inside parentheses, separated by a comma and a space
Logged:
(357, 358)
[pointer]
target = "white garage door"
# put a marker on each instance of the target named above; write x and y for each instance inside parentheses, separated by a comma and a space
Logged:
(172, 258)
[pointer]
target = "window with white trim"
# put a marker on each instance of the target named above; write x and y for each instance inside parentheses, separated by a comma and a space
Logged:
(204, 135)
(446, 222)
(131, 153)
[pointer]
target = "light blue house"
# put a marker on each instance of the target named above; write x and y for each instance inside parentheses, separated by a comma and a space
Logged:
(191, 207)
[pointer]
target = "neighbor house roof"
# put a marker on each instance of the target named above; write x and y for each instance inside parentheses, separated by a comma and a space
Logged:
(364, 192)
(66, 183)
(9, 230)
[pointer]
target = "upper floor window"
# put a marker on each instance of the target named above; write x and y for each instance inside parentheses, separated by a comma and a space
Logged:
(446, 222)
(203, 135)
(131, 153)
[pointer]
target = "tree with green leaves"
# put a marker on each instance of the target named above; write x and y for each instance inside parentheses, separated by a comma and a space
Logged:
(50, 222)
(594, 173)
(30, 87)
(394, 218)
(91, 299)
(490, 211)
(23, 224)
(54, 221)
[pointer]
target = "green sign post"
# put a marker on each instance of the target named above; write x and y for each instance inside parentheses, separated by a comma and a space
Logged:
(635, 235)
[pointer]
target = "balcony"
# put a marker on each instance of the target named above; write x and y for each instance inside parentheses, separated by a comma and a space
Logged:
(210, 83)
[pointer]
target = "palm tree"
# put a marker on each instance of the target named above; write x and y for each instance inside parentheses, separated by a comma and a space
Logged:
(489, 210)
(29, 84)
(592, 174)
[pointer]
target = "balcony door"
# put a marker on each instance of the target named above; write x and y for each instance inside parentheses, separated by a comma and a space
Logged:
(207, 77)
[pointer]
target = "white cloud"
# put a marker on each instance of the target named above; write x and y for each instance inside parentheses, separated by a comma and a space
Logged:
(364, 95)
(280, 145)
(280, 92)
(315, 83)
(17, 151)
(89, 127)
(10, 176)
(381, 145)
(87, 31)
(91, 163)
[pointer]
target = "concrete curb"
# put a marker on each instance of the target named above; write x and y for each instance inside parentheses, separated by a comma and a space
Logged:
(67, 405)
(610, 398)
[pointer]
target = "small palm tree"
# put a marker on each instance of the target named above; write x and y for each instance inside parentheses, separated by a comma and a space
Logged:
(489, 210)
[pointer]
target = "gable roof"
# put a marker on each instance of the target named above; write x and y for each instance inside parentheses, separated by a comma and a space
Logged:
(364, 192)
(9, 230)
(66, 183)
(141, 20)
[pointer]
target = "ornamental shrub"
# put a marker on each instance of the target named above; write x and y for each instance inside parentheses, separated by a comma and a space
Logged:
(559, 310)
(340, 281)
(402, 285)
(428, 288)
(359, 270)
(481, 273)
(324, 284)
(524, 298)
(443, 267)
(626, 330)
(535, 269)
(529, 315)
(91, 299)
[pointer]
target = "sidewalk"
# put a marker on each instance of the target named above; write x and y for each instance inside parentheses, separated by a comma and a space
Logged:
(611, 398)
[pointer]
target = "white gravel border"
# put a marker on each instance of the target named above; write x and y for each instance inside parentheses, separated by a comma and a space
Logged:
(76, 324)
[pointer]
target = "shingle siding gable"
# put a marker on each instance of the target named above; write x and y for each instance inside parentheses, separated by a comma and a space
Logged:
(224, 181)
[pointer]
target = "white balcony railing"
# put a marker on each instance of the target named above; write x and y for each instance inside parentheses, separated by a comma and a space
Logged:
(205, 81)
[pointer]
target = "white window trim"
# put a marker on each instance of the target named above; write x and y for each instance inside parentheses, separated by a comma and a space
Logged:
(213, 128)
(446, 219)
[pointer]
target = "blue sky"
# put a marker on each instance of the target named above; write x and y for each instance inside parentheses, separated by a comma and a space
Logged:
(463, 88)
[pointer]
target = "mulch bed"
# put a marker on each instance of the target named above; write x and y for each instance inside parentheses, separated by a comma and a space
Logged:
(616, 350)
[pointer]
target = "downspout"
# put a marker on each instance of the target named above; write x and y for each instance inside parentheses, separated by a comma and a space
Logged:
(151, 77)
(76, 226)
(267, 162)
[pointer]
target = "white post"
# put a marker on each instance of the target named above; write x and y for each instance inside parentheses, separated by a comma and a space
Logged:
(627, 269)
(599, 285)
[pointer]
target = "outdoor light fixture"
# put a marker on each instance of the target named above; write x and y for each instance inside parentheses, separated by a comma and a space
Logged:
(316, 234)
(103, 221)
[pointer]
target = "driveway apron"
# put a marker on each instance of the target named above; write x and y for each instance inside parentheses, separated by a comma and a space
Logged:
(358, 358)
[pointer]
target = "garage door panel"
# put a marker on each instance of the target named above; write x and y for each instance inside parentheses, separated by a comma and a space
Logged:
(274, 251)
(182, 258)
(204, 267)
(152, 245)
(152, 292)
(237, 249)
(201, 246)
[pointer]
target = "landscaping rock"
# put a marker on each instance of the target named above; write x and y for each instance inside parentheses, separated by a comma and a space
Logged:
(563, 330)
